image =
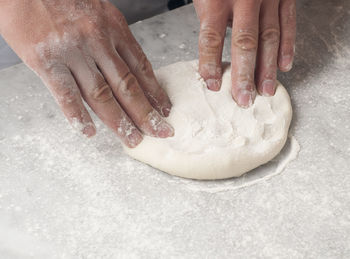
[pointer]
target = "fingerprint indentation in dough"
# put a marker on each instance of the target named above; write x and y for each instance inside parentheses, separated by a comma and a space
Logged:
(268, 131)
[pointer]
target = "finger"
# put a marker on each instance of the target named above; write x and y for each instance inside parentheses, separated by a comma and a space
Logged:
(244, 49)
(131, 97)
(134, 57)
(288, 31)
(269, 36)
(66, 92)
(141, 68)
(98, 94)
(211, 42)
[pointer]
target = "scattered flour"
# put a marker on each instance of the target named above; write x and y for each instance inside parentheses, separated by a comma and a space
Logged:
(182, 46)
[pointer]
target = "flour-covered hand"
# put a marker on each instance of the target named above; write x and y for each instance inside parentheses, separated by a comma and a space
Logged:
(84, 50)
(263, 36)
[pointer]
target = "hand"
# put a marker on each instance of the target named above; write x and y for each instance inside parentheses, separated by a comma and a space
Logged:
(83, 49)
(263, 36)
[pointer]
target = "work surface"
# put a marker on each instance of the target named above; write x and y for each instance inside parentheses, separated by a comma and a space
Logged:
(62, 196)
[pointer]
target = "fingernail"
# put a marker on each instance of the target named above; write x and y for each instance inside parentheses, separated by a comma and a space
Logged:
(156, 126)
(268, 88)
(134, 138)
(213, 84)
(165, 111)
(165, 130)
(245, 98)
(89, 130)
(287, 62)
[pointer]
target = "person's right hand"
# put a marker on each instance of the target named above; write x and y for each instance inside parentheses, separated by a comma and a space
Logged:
(83, 49)
(263, 40)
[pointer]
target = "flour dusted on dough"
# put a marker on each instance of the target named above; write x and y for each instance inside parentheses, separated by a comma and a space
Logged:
(214, 138)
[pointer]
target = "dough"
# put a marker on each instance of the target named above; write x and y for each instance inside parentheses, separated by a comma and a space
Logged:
(214, 138)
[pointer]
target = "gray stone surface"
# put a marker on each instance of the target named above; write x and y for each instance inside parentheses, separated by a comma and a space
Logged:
(62, 196)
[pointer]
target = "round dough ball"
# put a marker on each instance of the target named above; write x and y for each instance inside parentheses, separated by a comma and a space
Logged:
(214, 138)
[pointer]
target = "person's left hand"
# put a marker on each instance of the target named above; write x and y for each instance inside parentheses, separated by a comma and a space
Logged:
(84, 50)
(263, 36)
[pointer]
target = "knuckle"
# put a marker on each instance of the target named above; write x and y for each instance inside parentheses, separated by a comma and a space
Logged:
(245, 81)
(119, 18)
(157, 100)
(270, 75)
(287, 49)
(291, 8)
(65, 95)
(271, 35)
(128, 86)
(96, 28)
(102, 92)
(210, 40)
(210, 70)
(45, 63)
(61, 84)
(245, 40)
(288, 13)
(125, 126)
(59, 72)
(247, 85)
(143, 65)
(151, 121)
(51, 50)
(89, 28)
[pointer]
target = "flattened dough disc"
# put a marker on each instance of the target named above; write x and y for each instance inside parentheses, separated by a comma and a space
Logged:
(214, 138)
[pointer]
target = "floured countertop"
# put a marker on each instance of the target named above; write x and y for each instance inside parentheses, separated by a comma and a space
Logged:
(63, 196)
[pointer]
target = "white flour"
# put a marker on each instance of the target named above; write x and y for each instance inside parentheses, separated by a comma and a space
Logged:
(214, 138)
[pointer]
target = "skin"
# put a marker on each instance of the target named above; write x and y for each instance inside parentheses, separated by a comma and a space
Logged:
(84, 50)
(263, 37)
